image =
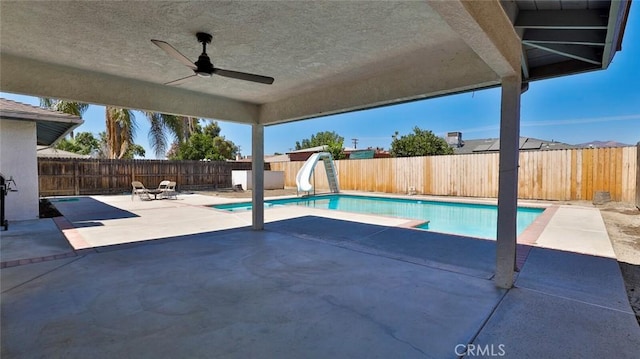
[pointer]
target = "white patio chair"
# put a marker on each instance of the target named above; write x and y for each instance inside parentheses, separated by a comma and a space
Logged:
(163, 185)
(170, 191)
(140, 191)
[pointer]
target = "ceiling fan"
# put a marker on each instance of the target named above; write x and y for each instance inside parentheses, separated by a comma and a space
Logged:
(203, 67)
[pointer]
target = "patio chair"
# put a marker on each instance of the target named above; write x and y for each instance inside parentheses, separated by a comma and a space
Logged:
(170, 191)
(163, 185)
(140, 191)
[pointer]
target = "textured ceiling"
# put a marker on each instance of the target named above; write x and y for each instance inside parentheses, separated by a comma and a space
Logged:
(325, 56)
(294, 42)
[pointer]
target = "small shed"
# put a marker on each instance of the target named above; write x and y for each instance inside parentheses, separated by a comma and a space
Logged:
(22, 128)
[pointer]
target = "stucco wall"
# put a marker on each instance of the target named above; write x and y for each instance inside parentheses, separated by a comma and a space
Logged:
(18, 159)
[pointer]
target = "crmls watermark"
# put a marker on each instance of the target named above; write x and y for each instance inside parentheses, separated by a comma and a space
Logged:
(477, 350)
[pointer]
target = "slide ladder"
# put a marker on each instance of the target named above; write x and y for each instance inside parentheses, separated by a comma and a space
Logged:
(303, 178)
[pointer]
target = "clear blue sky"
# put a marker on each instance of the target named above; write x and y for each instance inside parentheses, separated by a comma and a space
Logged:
(600, 105)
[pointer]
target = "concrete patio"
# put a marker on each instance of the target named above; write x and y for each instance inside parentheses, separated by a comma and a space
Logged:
(198, 282)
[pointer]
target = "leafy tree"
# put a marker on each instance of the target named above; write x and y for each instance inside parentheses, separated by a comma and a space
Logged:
(206, 144)
(320, 139)
(419, 143)
(212, 129)
(83, 143)
(332, 140)
(336, 150)
(134, 150)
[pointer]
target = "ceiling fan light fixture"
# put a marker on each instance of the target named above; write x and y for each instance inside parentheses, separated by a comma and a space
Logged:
(204, 67)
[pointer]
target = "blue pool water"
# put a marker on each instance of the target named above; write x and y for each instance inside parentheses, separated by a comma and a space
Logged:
(474, 220)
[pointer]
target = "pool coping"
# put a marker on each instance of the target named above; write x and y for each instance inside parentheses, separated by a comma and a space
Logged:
(527, 203)
(413, 223)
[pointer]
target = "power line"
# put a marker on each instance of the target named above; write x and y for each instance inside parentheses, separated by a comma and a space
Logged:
(355, 142)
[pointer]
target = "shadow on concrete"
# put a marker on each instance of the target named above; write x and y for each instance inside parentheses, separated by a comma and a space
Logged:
(631, 275)
(470, 256)
(241, 293)
(86, 210)
(444, 251)
(36, 238)
(312, 287)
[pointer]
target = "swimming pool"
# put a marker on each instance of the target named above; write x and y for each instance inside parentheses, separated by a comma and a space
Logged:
(474, 220)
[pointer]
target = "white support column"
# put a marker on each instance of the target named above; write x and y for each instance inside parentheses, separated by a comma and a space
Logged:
(257, 179)
(508, 181)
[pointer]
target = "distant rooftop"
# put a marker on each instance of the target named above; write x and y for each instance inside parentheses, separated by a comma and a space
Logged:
(50, 152)
(493, 145)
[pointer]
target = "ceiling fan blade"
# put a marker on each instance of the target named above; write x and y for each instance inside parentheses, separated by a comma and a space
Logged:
(171, 51)
(180, 81)
(244, 76)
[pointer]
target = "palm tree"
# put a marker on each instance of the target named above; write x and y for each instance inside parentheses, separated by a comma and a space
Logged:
(72, 108)
(121, 129)
(121, 126)
(181, 127)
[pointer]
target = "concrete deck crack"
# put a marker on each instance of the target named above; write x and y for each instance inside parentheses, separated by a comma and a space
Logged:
(578, 301)
(41, 275)
(385, 328)
(486, 320)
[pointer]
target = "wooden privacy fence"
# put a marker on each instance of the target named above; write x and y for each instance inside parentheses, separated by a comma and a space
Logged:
(63, 176)
(548, 175)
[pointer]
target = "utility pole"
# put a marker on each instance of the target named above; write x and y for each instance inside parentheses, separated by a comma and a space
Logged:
(355, 142)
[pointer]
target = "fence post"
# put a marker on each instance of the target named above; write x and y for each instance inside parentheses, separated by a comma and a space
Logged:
(638, 175)
(76, 177)
(110, 189)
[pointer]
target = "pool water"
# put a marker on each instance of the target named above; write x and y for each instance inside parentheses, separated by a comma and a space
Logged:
(474, 220)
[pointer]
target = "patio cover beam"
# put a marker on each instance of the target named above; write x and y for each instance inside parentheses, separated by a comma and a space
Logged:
(489, 42)
(435, 75)
(485, 28)
(618, 13)
(62, 82)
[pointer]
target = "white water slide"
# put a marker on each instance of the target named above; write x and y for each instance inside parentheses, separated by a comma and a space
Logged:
(303, 178)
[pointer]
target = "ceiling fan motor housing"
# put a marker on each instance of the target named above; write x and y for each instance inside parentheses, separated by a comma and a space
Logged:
(204, 65)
